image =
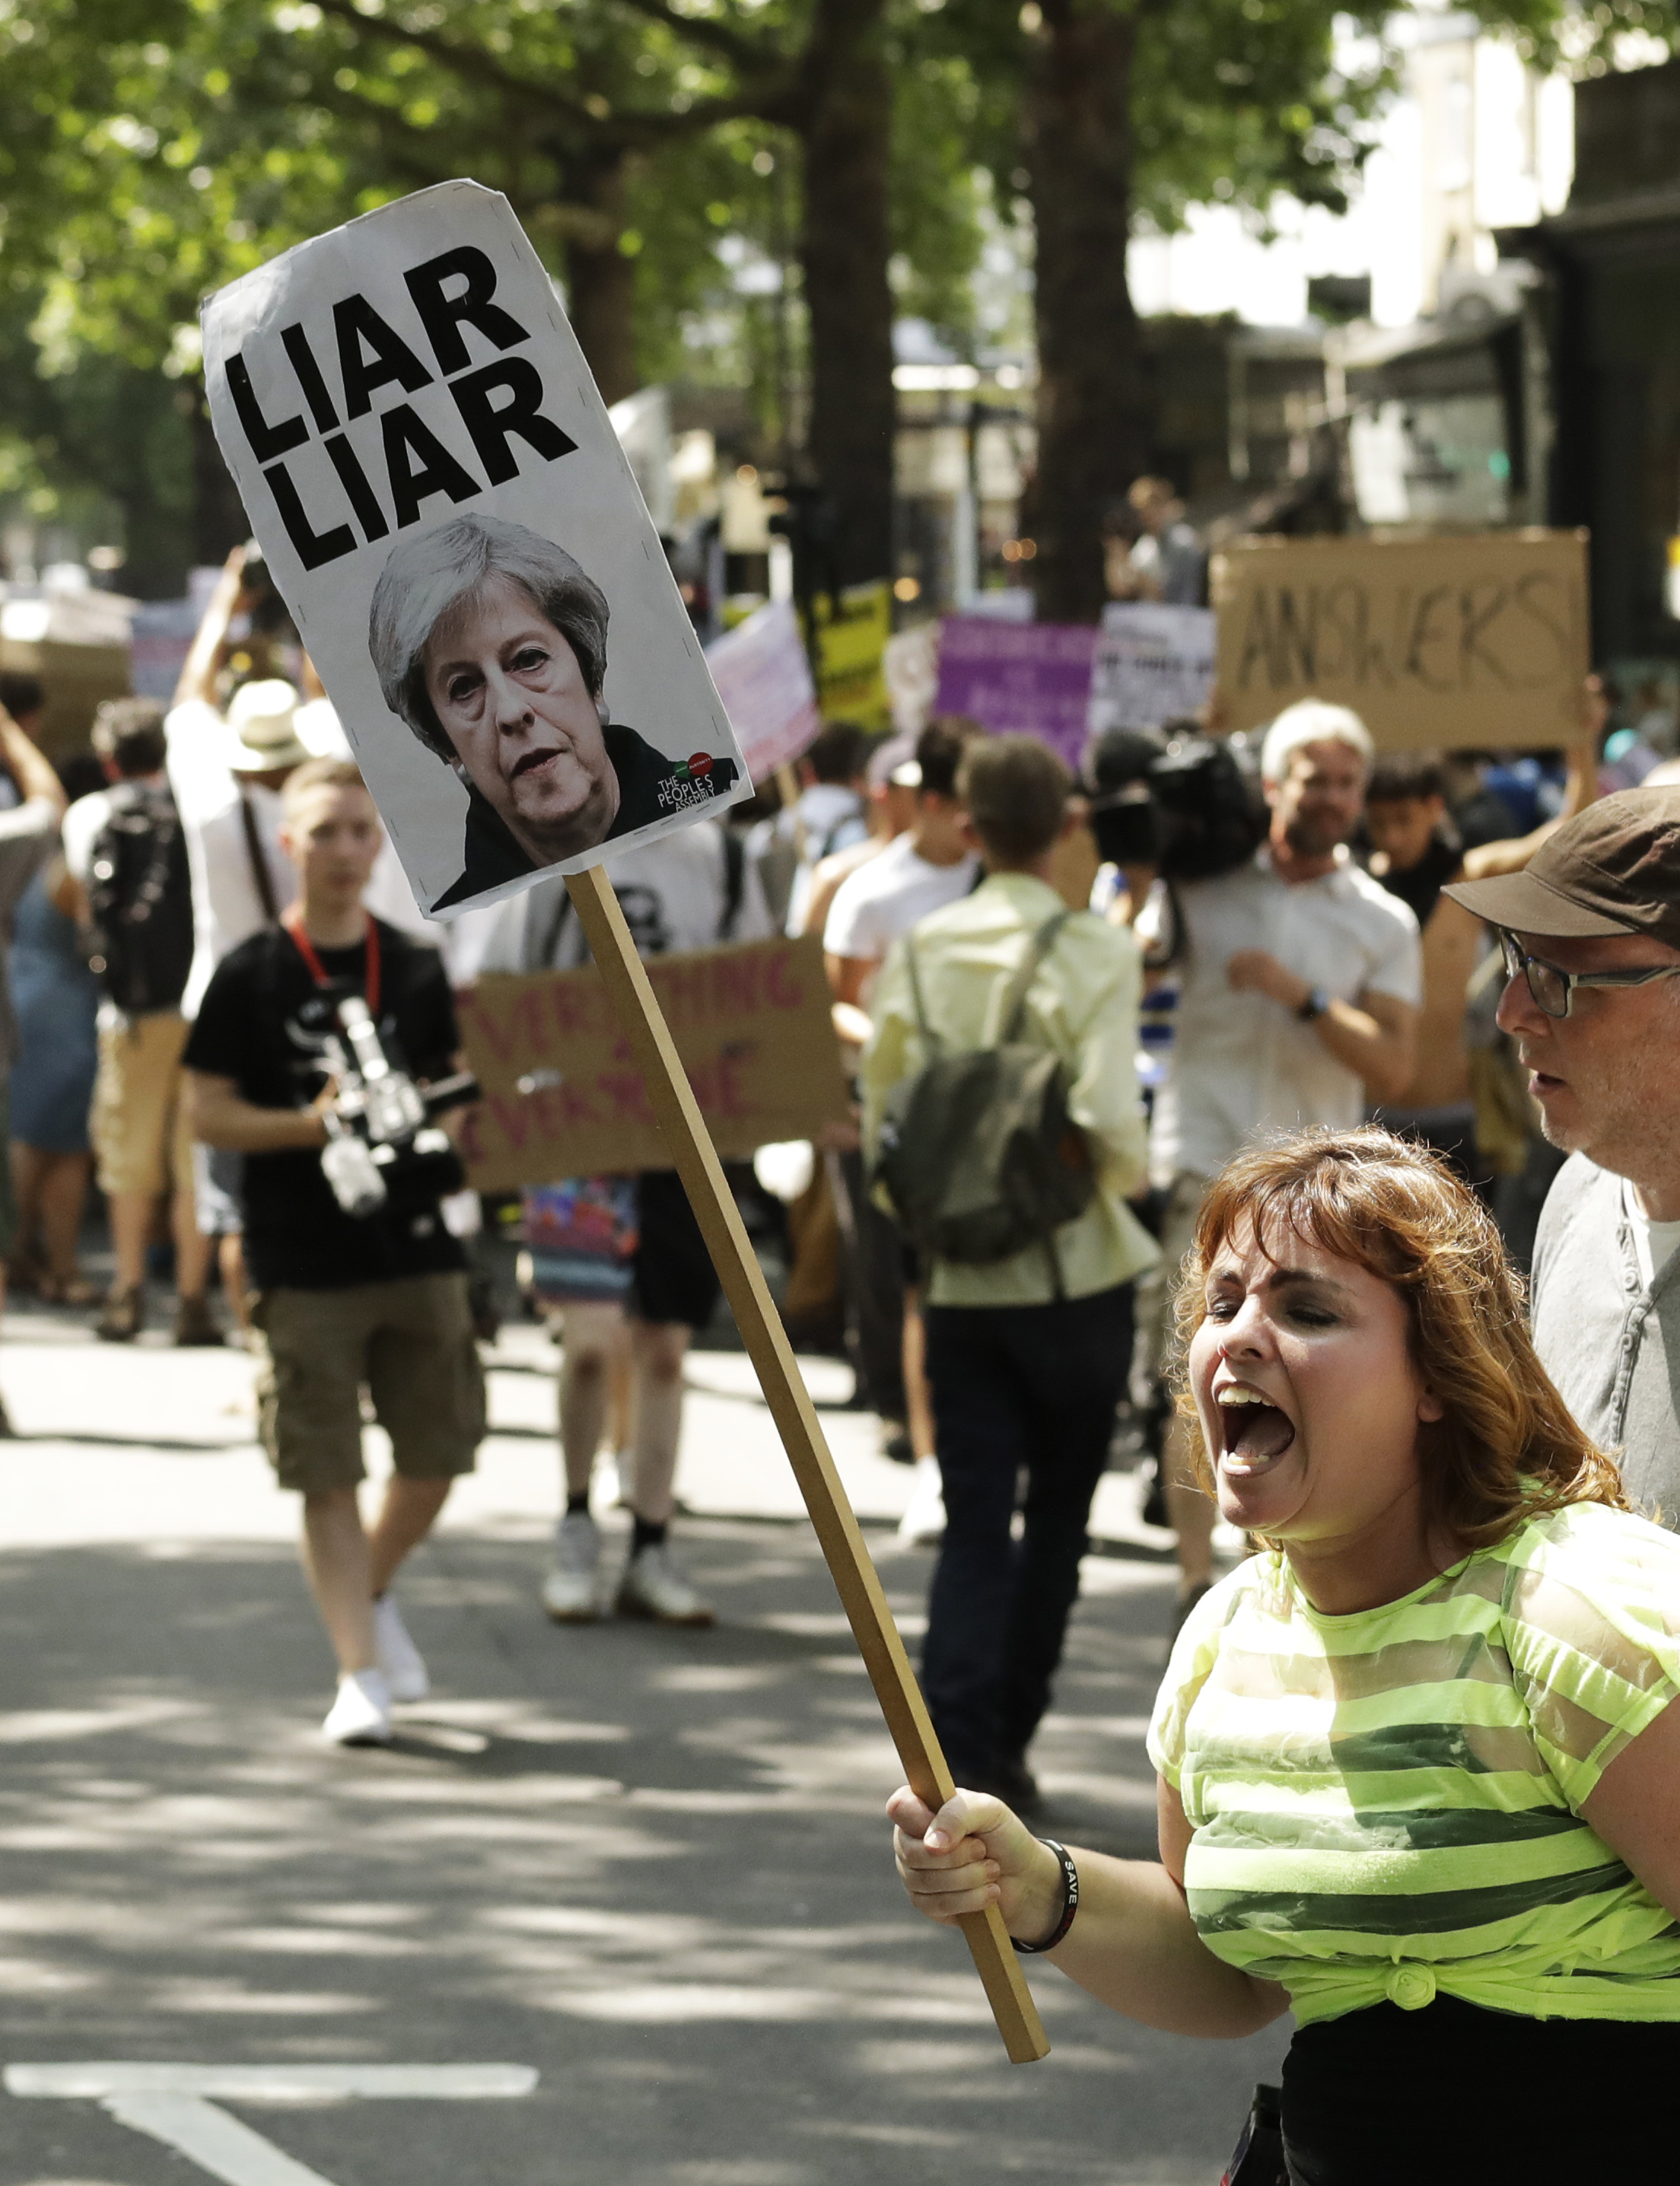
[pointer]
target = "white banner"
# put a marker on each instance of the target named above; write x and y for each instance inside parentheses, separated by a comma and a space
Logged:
(446, 510)
(1153, 663)
(764, 678)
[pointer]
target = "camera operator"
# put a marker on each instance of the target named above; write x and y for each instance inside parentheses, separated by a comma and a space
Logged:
(343, 1301)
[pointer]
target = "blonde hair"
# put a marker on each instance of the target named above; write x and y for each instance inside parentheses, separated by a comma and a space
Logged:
(1506, 1449)
(320, 774)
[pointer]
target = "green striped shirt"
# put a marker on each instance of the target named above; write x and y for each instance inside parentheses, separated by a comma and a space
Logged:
(1388, 1804)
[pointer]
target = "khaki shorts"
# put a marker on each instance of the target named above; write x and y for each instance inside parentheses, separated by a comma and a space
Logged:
(139, 1123)
(408, 1342)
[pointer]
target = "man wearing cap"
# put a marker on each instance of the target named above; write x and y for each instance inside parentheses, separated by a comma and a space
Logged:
(1591, 932)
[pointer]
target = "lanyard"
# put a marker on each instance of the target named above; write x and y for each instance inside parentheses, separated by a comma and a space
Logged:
(292, 923)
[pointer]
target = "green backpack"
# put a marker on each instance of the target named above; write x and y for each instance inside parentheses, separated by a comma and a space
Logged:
(979, 1155)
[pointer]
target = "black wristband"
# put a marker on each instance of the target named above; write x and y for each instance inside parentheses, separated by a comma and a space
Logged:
(1070, 1902)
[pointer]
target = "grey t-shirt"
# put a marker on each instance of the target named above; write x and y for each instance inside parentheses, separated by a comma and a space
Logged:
(1611, 1344)
(27, 834)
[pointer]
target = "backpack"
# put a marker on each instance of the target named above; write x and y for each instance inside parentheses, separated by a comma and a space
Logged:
(979, 1155)
(140, 901)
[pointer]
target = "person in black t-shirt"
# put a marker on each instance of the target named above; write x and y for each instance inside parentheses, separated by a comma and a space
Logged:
(343, 1301)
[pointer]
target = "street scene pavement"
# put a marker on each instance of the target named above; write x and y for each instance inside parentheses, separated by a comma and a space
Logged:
(618, 1906)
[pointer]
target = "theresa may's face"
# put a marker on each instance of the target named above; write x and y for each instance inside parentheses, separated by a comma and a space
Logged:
(511, 697)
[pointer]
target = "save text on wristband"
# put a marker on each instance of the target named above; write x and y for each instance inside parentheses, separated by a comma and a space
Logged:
(1070, 1901)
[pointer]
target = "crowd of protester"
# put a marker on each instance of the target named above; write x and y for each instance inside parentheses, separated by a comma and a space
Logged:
(1422, 1040)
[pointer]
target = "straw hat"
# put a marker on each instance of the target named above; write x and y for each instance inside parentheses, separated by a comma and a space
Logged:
(262, 719)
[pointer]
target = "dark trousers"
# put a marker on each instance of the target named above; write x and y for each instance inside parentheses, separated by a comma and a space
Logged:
(1031, 1389)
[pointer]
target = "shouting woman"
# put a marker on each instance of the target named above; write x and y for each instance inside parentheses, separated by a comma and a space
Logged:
(1419, 1775)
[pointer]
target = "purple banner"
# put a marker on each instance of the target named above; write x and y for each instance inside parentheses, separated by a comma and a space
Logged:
(1032, 677)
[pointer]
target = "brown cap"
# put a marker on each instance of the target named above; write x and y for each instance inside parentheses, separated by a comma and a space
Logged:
(1615, 868)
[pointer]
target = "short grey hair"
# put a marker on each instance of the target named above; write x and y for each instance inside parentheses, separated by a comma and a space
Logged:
(425, 577)
(1312, 721)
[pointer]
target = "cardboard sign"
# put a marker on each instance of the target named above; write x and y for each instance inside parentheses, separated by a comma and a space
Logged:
(1034, 678)
(1449, 641)
(764, 680)
(1153, 663)
(446, 510)
(564, 1098)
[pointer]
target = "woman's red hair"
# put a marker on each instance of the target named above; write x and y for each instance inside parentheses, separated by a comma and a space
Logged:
(1506, 1448)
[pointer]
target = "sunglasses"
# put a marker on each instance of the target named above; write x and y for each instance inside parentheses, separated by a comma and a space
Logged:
(1554, 990)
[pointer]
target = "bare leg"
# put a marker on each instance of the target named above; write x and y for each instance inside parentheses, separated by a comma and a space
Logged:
(918, 1399)
(28, 1164)
(658, 1350)
(191, 1247)
(589, 1334)
(131, 1228)
(341, 1571)
(64, 1194)
(231, 1254)
(621, 1392)
(407, 1515)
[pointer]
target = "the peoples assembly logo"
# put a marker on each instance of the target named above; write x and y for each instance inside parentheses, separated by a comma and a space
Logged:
(690, 783)
(497, 403)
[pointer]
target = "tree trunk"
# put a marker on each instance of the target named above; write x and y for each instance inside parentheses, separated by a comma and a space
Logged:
(600, 280)
(1092, 440)
(219, 520)
(846, 131)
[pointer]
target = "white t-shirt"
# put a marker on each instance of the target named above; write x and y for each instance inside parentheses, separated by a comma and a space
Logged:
(1655, 1243)
(674, 893)
(1242, 1066)
(227, 905)
(883, 899)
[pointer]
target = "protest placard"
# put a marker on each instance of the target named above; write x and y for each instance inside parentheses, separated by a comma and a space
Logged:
(764, 678)
(563, 1097)
(1031, 677)
(1475, 640)
(1152, 664)
(353, 383)
(852, 631)
(446, 510)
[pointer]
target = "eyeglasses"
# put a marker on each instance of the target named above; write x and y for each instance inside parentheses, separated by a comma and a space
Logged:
(1554, 990)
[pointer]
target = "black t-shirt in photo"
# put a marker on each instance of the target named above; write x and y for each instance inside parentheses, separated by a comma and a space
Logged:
(262, 1022)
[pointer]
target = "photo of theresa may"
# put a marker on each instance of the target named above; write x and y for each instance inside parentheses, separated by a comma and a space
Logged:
(490, 643)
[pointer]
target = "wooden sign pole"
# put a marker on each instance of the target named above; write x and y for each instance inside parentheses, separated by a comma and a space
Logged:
(678, 1114)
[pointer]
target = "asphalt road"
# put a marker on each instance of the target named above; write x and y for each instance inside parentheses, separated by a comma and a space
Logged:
(648, 1867)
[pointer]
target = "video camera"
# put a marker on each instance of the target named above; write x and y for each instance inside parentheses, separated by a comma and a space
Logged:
(383, 1143)
(1176, 800)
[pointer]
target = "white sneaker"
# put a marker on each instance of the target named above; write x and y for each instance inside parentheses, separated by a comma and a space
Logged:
(653, 1586)
(571, 1591)
(401, 1661)
(362, 1714)
(923, 1524)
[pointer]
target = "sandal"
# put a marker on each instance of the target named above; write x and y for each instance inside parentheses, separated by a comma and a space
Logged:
(66, 1290)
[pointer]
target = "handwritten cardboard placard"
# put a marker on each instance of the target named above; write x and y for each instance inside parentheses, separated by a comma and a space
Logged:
(1455, 643)
(563, 1097)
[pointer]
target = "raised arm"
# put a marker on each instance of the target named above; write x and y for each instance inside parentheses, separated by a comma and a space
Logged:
(198, 670)
(1133, 1944)
(34, 772)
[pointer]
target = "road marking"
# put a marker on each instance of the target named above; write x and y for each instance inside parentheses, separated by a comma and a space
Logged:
(170, 2102)
(272, 2083)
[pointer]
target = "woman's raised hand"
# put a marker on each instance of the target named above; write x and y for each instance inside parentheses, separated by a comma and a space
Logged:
(972, 1853)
